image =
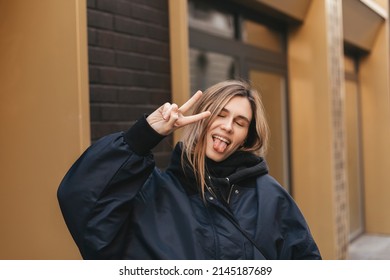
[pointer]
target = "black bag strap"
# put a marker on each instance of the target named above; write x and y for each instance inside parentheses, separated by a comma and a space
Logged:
(246, 235)
(229, 215)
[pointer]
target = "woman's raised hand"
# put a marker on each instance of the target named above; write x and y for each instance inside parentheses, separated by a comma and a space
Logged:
(169, 116)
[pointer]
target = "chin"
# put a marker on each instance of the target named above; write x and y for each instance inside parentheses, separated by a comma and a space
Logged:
(215, 156)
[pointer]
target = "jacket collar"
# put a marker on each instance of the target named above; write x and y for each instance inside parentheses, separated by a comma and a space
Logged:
(238, 167)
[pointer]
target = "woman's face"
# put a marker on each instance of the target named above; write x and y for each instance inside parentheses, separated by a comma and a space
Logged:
(229, 130)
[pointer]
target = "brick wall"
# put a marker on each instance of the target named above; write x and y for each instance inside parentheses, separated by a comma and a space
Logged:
(129, 64)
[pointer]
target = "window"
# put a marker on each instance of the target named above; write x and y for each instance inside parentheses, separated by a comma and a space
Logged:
(208, 68)
(261, 36)
(208, 19)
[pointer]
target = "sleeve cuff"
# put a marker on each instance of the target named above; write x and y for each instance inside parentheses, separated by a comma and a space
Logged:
(141, 137)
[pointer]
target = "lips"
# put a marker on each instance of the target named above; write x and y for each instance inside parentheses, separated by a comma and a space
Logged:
(220, 143)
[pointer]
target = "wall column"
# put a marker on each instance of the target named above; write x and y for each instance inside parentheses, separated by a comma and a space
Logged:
(317, 128)
(44, 121)
(179, 50)
(375, 104)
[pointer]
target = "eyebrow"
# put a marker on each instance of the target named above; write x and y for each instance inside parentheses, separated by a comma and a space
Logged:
(239, 116)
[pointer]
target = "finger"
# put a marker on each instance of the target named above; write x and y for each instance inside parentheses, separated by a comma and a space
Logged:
(167, 110)
(173, 116)
(191, 119)
(164, 109)
(190, 102)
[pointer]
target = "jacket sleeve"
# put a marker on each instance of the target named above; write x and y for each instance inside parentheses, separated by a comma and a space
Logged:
(299, 243)
(96, 193)
(281, 221)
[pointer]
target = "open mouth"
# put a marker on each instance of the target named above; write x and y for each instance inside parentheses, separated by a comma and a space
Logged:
(220, 143)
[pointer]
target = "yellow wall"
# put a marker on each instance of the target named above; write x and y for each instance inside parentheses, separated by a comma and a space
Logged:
(44, 121)
(179, 42)
(310, 102)
(374, 78)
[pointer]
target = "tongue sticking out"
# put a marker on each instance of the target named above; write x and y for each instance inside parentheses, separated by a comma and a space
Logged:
(219, 145)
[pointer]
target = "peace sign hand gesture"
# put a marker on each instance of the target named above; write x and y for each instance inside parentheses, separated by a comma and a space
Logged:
(170, 117)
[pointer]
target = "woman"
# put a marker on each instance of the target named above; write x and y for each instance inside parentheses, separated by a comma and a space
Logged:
(214, 201)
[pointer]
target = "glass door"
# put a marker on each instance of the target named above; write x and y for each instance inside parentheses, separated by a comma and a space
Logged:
(272, 88)
(353, 149)
(353, 160)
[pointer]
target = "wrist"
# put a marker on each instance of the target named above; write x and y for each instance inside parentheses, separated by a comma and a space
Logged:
(141, 137)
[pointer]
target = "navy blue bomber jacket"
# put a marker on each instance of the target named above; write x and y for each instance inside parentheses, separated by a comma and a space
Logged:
(118, 205)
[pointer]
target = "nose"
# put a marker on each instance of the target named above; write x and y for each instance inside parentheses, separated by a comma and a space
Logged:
(227, 125)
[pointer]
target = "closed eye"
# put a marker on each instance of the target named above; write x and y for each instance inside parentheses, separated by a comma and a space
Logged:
(240, 123)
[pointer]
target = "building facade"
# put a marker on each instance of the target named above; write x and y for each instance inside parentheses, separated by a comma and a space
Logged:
(82, 69)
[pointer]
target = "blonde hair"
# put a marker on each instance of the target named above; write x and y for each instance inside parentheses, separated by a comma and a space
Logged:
(214, 99)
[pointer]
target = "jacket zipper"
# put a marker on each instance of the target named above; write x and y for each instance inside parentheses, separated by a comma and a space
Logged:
(230, 191)
(210, 189)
